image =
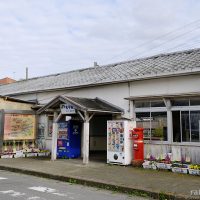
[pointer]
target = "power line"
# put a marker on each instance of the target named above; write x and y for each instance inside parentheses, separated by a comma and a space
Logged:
(155, 39)
(171, 39)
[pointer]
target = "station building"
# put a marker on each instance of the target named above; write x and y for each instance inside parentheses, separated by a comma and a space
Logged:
(162, 93)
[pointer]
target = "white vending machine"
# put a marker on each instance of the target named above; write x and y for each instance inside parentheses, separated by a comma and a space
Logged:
(119, 143)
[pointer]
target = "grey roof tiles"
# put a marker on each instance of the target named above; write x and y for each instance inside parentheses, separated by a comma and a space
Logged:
(159, 65)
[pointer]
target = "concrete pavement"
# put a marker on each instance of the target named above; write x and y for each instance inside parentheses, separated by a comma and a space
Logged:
(156, 184)
(14, 186)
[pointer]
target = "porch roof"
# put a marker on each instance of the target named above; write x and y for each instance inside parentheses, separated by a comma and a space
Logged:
(83, 104)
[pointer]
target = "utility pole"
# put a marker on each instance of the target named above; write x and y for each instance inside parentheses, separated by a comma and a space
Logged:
(26, 73)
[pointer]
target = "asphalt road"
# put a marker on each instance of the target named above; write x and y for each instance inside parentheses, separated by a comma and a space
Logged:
(15, 186)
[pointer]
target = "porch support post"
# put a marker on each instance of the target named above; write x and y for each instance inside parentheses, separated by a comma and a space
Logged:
(132, 110)
(169, 120)
(86, 142)
(54, 137)
(86, 137)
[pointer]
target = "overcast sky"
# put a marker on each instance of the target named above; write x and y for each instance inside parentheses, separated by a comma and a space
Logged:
(52, 36)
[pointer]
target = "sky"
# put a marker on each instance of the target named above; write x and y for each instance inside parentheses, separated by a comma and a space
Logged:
(54, 36)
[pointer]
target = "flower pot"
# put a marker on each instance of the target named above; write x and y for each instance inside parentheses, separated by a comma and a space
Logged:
(31, 154)
(41, 154)
(7, 156)
(194, 172)
(180, 170)
(149, 165)
(161, 165)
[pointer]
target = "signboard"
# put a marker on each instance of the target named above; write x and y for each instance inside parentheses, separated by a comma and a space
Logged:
(19, 127)
(67, 109)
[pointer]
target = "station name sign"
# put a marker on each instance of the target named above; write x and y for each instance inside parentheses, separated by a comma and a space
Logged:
(67, 109)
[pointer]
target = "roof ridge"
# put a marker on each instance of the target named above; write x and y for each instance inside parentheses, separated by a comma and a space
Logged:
(113, 64)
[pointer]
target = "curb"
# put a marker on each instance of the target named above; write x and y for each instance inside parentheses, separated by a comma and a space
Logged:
(107, 186)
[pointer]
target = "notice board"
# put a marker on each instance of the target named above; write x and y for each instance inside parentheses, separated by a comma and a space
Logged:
(19, 127)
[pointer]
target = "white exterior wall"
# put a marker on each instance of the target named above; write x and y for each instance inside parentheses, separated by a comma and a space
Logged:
(178, 151)
(165, 86)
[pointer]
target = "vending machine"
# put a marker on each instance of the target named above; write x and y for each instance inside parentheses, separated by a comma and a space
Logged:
(69, 139)
(119, 143)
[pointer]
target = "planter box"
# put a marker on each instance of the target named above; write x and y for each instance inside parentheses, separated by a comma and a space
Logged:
(194, 172)
(148, 165)
(31, 154)
(7, 156)
(163, 166)
(41, 154)
(47, 153)
(19, 155)
(169, 166)
(180, 170)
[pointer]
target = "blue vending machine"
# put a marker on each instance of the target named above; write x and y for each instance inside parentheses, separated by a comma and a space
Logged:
(69, 139)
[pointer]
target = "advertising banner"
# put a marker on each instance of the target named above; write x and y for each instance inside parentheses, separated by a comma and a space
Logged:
(19, 127)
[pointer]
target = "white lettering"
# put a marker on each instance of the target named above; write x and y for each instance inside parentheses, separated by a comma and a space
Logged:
(50, 190)
(12, 193)
(2, 178)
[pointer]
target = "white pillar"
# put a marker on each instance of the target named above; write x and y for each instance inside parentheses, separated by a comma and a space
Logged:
(82, 140)
(169, 120)
(54, 138)
(169, 126)
(86, 142)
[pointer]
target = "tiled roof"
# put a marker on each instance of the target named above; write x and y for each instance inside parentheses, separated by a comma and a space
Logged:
(83, 104)
(150, 67)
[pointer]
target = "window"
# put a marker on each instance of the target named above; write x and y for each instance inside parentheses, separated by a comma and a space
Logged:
(195, 125)
(195, 101)
(50, 126)
(157, 103)
(148, 104)
(142, 104)
(143, 121)
(180, 102)
(154, 124)
(159, 126)
(186, 126)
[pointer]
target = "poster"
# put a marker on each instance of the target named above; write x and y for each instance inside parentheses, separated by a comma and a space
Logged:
(116, 136)
(63, 130)
(50, 126)
(19, 127)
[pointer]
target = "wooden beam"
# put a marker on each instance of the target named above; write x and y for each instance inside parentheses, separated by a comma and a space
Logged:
(82, 117)
(91, 116)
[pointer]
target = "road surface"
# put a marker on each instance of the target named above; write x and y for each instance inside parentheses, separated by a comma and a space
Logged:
(15, 186)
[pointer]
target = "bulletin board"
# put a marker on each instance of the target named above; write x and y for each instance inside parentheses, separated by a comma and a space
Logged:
(19, 126)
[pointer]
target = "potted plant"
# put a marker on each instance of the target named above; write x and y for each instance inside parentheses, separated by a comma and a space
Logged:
(7, 154)
(150, 163)
(194, 169)
(180, 167)
(164, 163)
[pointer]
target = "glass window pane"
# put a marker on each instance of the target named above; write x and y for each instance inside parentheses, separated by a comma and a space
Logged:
(159, 126)
(158, 103)
(176, 126)
(143, 121)
(195, 125)
(195, 101)
(142, 104)
(180, 102)
(185, 126)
